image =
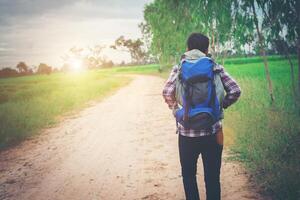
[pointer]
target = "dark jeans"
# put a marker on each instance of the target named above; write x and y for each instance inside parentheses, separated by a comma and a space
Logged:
(211, 152)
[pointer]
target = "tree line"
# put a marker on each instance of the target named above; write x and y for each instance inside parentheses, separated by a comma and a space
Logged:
(233, 26)
(89, 57)
(22, 69)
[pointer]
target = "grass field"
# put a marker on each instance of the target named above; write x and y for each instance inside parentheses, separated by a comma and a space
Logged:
(30, 103)
(265, 137)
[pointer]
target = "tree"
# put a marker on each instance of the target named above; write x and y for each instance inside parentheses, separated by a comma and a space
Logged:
(262, 48)
(171, 21)
(146, 39)
(146, 34)
(44, 69)
(8, 72)
(134, 47)
(91, 57)
(274, 21)
(107, 64)
(95, 57)
(289, 17)
(22, 67)
(281, 19)
(255, 23)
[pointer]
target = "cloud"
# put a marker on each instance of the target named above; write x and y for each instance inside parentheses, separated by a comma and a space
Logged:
(41, 31)
(14, 9)
(11, 10)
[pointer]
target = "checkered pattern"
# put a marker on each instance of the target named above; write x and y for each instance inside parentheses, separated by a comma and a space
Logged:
(232, 89)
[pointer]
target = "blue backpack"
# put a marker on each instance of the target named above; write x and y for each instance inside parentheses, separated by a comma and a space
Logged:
(197, 92)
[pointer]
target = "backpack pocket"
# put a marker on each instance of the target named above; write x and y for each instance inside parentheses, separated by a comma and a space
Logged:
(199, 118)
(199, 92)
(202, 120)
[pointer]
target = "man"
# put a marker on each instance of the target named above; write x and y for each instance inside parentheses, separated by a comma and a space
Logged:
(207, 142)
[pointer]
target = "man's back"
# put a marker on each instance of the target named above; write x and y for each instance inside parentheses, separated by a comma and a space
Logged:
(208, 141)
(231, 87)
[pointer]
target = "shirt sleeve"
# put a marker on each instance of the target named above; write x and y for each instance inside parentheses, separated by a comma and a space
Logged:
(233, 90)
(170, 89)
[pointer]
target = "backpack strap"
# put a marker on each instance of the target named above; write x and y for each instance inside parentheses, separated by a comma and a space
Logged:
(186, 94)
(187, 102)
(213, 94)
(178, 77)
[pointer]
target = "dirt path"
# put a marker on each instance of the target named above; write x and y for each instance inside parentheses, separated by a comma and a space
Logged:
(122, 148)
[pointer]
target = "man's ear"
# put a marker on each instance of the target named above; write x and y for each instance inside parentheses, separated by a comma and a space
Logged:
(206, 52)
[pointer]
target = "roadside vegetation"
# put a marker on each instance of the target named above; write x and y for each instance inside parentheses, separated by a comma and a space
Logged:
(30, 103)
(266, 135)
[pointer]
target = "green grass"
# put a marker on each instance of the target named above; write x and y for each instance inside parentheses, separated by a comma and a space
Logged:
(252, 59)
(149, 69)
(267, 137)
(30, 103)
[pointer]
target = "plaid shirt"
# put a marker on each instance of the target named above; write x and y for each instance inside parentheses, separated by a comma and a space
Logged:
(232, 89)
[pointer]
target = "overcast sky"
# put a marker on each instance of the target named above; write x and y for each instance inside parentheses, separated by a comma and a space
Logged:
(37, 31)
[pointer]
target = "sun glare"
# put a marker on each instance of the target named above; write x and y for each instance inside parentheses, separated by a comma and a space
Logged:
(76, 65)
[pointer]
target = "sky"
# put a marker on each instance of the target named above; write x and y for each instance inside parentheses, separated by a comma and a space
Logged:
(36, 31)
